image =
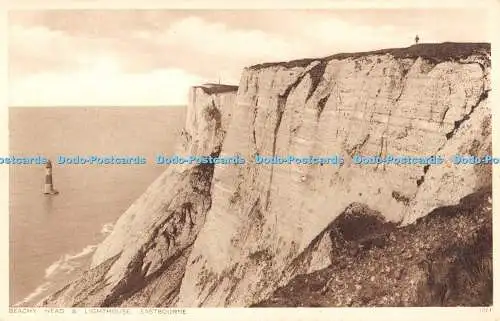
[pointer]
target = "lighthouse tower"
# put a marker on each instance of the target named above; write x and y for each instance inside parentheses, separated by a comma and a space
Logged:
(49, 187)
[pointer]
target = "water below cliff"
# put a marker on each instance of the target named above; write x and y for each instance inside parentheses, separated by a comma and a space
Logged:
(51, 238)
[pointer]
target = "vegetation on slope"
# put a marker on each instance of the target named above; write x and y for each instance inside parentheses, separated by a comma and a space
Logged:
(444, 259)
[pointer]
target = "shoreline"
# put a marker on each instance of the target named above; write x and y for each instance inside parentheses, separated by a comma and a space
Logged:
(67, 265)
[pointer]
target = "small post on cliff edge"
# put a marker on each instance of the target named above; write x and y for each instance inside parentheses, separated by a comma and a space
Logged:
(48, 188)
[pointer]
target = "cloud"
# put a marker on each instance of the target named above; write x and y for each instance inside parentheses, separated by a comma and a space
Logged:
(38, 48)
(332, 35)
(88, 57)
(51, 67)
(219, 39)
(103, 85)
(204, 40)
(54, 67)
(304, 36)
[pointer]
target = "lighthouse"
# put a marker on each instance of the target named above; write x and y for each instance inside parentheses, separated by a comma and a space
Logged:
(49, 187)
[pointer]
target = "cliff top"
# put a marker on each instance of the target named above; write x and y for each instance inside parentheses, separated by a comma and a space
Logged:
(210, 88)
(437, 52)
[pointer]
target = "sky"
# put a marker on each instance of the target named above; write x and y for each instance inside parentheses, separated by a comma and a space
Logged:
(151, 58)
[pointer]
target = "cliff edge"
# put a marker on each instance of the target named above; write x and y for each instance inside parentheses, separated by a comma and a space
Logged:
(141, 263)
(233, 235)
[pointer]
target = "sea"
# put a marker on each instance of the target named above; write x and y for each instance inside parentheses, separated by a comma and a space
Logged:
(52, 237)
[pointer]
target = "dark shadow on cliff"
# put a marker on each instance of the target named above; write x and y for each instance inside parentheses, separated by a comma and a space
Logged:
(178, 217)
(443, 259)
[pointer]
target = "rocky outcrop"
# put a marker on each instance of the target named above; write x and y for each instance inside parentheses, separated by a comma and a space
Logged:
(232, 235)
(141, 263)
(425, 100)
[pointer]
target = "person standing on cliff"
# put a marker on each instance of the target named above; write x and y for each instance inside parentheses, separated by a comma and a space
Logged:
(416, 39)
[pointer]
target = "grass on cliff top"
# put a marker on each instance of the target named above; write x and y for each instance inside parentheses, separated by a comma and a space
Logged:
(437, 52)
(210, 88)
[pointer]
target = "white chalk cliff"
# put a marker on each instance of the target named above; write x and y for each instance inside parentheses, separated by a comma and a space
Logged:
(226, 235)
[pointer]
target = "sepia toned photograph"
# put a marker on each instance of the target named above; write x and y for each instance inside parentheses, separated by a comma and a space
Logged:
(250, 158)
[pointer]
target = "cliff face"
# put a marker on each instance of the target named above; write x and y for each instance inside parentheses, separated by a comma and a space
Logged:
(377, 104)
(233, 234)
(142, 261)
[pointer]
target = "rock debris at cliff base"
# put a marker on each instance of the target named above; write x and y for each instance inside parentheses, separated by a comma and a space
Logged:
(444, 259)
(245, 235)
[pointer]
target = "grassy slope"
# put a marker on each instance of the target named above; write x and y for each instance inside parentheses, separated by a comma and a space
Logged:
(444, 259)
